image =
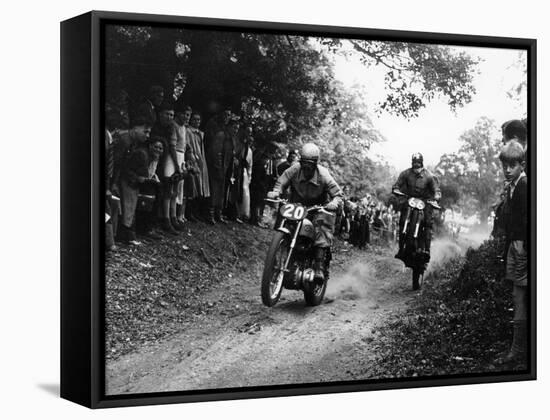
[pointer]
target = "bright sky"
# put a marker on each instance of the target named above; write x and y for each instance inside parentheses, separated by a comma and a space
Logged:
(437, 129)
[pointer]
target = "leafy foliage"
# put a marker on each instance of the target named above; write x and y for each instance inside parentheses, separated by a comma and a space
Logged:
(416, 73)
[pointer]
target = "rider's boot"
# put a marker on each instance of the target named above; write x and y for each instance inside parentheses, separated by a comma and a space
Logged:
(399, 254)
(319, 265)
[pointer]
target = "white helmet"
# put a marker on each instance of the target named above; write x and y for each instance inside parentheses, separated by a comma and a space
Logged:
(310, 152)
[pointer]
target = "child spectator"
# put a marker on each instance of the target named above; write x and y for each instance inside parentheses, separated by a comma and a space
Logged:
(515, 214)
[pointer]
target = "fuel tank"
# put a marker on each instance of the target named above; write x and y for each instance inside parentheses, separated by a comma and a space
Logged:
(307, 230)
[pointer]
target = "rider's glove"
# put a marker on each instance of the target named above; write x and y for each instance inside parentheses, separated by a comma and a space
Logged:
(273, 195)
(332, 206)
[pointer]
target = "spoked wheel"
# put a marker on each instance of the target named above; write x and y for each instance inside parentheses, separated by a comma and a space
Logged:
(417, 277)
(315, 292)
(272, 278)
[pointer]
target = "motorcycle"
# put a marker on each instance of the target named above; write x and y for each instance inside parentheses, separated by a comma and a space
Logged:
(290, 258)
(413, 251)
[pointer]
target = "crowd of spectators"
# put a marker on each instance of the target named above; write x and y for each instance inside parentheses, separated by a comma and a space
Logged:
(367, 220)
(164, 168)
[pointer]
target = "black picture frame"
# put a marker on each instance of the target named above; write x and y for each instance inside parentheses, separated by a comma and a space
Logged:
(82, 250)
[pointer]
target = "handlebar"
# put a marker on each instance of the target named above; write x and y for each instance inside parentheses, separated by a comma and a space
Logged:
(432, 203)
(316, 207)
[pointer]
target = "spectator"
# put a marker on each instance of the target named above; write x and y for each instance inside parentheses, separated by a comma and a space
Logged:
(170, 172)
(515, 216)
(149, 190)
(214, 125)
(181, 122)
(134, 172)
(124, 143)
(363, 231)
(293, 157)
(219, 155)
(111, 189)
(116, 107)
(150, 105)
(234, 176)
(197, 182)
(387, 220)
(264, 176)
(378, 224)
(244, 205)
(109, 170)
(514, 130)
(511, 130)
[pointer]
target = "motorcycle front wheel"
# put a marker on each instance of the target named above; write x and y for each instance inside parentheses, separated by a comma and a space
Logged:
(272, 278)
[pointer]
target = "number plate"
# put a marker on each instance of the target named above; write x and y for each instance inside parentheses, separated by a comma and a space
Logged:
(293, 211)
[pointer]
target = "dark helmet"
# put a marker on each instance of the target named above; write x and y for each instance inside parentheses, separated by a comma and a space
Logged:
(417, 157)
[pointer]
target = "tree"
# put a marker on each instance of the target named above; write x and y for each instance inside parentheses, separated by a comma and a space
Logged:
(474, 171)
(283, 83)
(415, 73)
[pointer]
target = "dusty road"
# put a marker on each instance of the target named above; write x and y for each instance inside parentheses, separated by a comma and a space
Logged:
(289, 343)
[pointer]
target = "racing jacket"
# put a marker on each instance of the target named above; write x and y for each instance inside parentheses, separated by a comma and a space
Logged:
(318, 190)
(422, 185)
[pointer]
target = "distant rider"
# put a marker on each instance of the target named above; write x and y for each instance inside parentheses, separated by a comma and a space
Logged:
(311, 184)
(417, 182)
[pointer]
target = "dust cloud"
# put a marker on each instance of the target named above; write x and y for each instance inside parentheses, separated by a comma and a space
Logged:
(353, 284)
(445, 249)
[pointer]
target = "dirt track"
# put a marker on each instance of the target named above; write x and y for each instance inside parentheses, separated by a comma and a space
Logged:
(289, 343)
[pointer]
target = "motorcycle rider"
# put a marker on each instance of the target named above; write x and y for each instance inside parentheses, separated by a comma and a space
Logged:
(312, 184)
(418, 182)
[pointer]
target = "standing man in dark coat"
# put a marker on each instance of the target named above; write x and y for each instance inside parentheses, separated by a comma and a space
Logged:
(219, 157)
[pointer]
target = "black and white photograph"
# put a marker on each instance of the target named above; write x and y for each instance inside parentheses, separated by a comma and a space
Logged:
(288, 209)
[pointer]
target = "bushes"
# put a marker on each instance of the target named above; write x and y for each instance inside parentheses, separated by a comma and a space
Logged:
(458, 324)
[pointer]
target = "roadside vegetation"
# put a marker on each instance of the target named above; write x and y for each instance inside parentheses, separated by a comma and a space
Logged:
(457, 324)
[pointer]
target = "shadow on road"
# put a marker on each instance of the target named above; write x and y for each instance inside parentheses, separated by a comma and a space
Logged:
(297, 307)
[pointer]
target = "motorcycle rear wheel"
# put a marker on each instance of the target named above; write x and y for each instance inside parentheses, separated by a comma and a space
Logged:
(272, 277)
(314, 293)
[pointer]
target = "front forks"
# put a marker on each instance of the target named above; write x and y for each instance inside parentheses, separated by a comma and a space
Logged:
(292, 242)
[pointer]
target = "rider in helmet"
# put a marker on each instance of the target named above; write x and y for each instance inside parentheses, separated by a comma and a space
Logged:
(417, 182)
(311, 184)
